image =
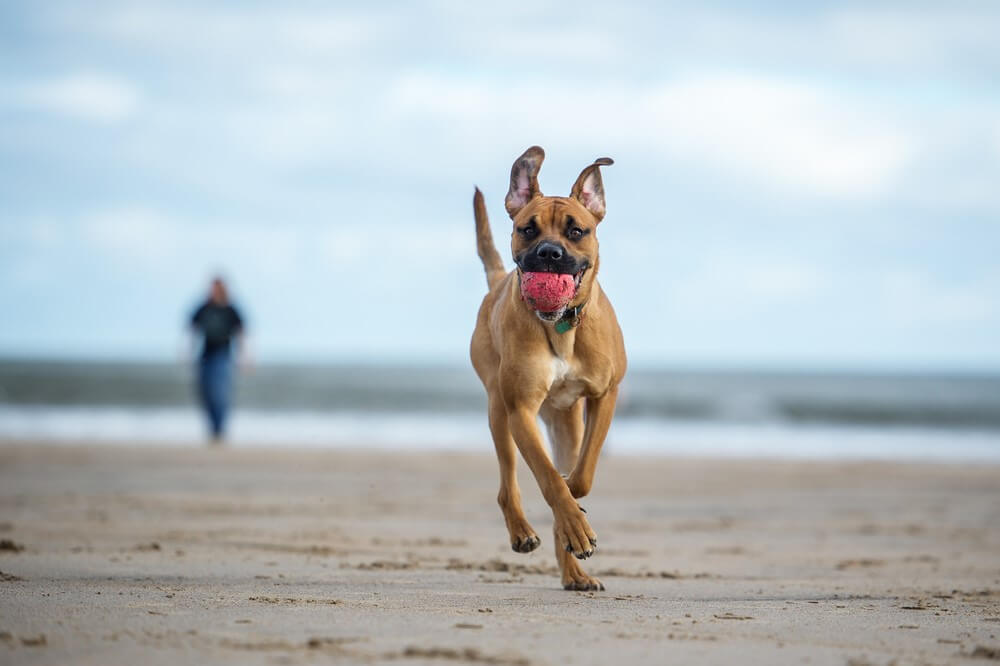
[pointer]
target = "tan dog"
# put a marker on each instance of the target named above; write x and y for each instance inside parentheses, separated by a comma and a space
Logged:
(563, 365)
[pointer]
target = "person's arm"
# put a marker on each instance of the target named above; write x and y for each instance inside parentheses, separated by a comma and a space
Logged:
(243, 360)
(192, 333)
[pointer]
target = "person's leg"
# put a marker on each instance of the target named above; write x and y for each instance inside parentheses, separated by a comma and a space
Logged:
(214, 385)
(219, 391)
(205, 390)
(222, 390)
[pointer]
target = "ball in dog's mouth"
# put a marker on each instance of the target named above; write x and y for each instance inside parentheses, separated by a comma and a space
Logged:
(549, 292)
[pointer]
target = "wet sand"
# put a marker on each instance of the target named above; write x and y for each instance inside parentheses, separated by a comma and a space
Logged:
(113, 555)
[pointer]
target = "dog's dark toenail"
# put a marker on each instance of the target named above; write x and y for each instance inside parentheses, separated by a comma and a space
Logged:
(581, 508)
(593, 542)
(601, 587)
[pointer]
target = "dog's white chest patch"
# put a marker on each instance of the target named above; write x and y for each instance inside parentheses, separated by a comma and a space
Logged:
(565, 388)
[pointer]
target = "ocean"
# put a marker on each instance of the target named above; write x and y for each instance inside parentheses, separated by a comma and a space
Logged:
(946, 417)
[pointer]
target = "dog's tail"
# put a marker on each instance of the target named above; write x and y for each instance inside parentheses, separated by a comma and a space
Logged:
(484, 242)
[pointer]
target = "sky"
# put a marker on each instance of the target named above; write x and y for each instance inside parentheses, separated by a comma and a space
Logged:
(796, 184)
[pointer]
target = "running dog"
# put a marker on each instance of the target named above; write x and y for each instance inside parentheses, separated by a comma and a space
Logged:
(547, 343)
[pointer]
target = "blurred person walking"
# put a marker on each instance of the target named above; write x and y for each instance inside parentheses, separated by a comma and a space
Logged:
(218, 323)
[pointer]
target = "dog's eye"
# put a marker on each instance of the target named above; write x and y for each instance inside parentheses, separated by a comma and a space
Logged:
(576, 233)
(528, 231)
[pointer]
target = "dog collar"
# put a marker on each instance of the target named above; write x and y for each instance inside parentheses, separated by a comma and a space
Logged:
(570, 319)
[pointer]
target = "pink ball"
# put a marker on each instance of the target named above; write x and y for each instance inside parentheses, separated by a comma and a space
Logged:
(547, 292)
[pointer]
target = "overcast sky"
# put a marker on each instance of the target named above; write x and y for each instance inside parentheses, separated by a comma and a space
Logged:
(814, 185)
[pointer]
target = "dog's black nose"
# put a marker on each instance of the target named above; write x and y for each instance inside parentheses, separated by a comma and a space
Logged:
(549, 251)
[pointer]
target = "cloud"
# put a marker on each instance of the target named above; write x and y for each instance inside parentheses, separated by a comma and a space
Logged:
(780, 133)
(240, 32)
(753, 121)
(136, 235)
(145, 239)
(913, 298)
(93, 96)
(772, 132)
(932, 37)
(288, 135)
(731, 285)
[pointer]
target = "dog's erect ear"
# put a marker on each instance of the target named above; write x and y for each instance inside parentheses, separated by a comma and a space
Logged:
(589, 188)
(524, 180)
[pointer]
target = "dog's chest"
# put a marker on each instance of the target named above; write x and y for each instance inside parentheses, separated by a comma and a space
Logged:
(566, 387)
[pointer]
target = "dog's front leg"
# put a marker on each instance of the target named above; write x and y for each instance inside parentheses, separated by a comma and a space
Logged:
(572, 531)
(522, 537)
(599, 413)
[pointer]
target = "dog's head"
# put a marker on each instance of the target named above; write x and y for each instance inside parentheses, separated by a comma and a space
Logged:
(556, 234)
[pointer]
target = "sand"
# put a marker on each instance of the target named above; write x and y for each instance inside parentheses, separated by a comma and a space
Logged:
(114, 555)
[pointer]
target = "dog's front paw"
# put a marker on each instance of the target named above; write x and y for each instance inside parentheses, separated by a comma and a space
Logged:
(525, 544)
(573, 532)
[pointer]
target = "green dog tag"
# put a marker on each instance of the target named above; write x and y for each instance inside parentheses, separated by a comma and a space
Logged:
(564, 325)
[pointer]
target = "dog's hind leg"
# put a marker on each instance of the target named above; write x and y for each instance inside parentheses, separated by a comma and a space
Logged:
(599, 413)
(522, 537)
(565, 428)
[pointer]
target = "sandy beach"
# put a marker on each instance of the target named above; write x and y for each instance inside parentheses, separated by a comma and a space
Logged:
(116, 555)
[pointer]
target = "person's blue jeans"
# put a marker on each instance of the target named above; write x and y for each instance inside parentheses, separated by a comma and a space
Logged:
(215, 389)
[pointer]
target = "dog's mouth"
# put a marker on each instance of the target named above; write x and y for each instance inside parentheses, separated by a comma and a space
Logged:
(549, 293)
